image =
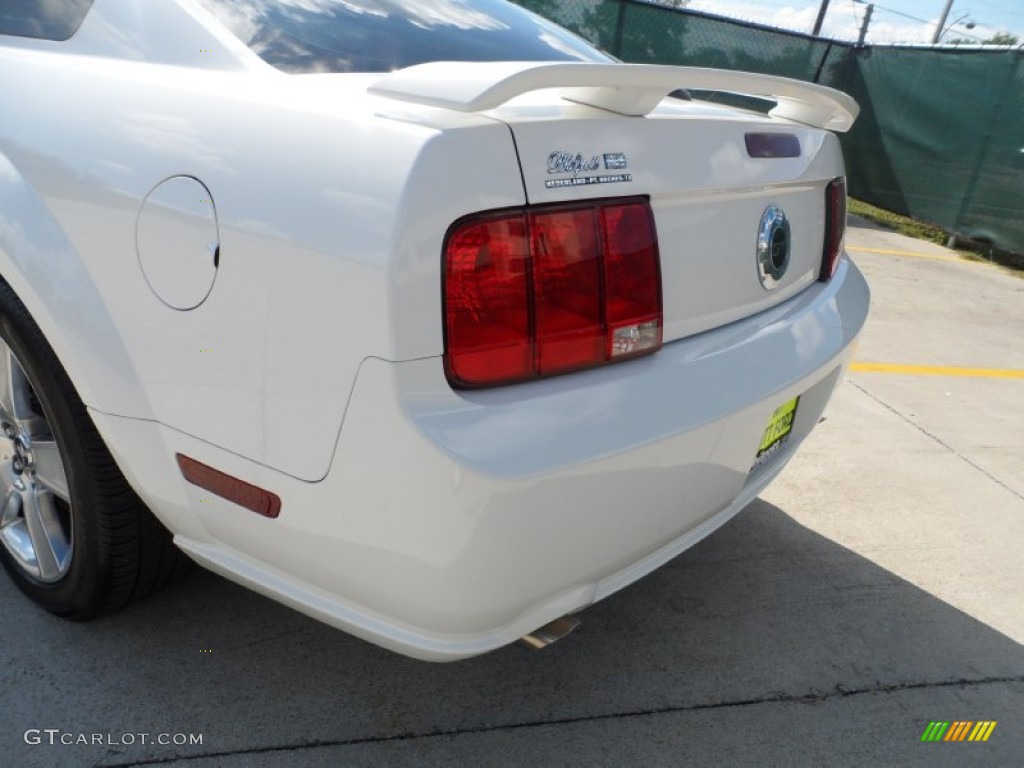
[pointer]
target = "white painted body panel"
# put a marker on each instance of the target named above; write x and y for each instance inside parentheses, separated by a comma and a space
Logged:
(454, 523)
(706, 193)
(437, 523)
(319, 248)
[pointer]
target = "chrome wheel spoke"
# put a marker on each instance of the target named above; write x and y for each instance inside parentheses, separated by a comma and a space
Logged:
(36, 520)
(49, 541)
(10, 512)
(50, 468)
(16, 397)
(8, 365)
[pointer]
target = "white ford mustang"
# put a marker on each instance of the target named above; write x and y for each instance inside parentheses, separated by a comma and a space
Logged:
(424, 318)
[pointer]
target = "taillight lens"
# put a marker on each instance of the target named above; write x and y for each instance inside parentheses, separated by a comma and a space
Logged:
(541, 291)
(632, 271)
(835, 226)
(566, 290)
(487, 283)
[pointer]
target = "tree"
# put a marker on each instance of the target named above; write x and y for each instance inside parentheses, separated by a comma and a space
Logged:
(1002, 38)
(999, 38)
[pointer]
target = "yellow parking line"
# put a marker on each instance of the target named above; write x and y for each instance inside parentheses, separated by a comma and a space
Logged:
(911, 254)
(938, 370)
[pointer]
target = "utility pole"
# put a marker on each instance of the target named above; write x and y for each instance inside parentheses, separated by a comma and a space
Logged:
(864, 26)
(942, 22)
(821, 17)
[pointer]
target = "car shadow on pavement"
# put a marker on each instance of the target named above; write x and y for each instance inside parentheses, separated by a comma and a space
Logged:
(765, 644)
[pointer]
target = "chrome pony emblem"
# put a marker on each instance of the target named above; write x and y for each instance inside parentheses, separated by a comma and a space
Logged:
(773, 247)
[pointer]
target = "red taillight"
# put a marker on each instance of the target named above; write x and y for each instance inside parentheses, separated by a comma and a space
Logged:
(835, 226)
(546, 290)
(566, 290)
(487, 283)
(632, 271)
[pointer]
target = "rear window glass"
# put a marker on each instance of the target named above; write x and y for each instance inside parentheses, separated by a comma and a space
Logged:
(43, 19)
(307, 36)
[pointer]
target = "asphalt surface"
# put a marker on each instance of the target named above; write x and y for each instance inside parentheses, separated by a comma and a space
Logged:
(875, 587)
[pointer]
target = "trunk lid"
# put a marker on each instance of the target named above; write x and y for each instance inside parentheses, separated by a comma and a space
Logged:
(716, 177)
(709, 196)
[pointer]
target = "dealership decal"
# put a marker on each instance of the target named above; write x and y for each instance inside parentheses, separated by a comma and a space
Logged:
(615, 161)
(577, 164)
(584, 181)
(566, 162)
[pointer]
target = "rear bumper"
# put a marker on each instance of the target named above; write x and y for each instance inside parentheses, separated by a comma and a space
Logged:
(453, 523)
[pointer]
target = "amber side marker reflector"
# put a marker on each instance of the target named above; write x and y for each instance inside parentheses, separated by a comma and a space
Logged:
(231, 488)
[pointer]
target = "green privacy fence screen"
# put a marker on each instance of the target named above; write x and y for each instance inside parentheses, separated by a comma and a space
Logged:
(941, 132)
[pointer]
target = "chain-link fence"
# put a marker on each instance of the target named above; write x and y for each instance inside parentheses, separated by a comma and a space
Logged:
(941, 132)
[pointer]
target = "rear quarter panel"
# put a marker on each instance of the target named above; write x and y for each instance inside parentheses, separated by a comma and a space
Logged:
(332, 213)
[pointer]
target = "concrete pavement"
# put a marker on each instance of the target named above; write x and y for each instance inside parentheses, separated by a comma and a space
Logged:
(873, 588)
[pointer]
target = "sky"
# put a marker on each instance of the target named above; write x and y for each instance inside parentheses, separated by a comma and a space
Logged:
(893, 21)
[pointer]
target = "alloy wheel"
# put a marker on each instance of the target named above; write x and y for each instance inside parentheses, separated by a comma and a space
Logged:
(35, 507)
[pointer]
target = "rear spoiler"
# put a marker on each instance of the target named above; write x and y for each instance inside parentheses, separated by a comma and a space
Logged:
(627, 89)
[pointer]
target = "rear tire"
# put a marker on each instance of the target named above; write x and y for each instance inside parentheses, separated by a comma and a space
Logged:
(74, 536)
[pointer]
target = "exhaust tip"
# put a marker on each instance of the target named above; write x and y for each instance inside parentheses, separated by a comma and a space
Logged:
(552, 632)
